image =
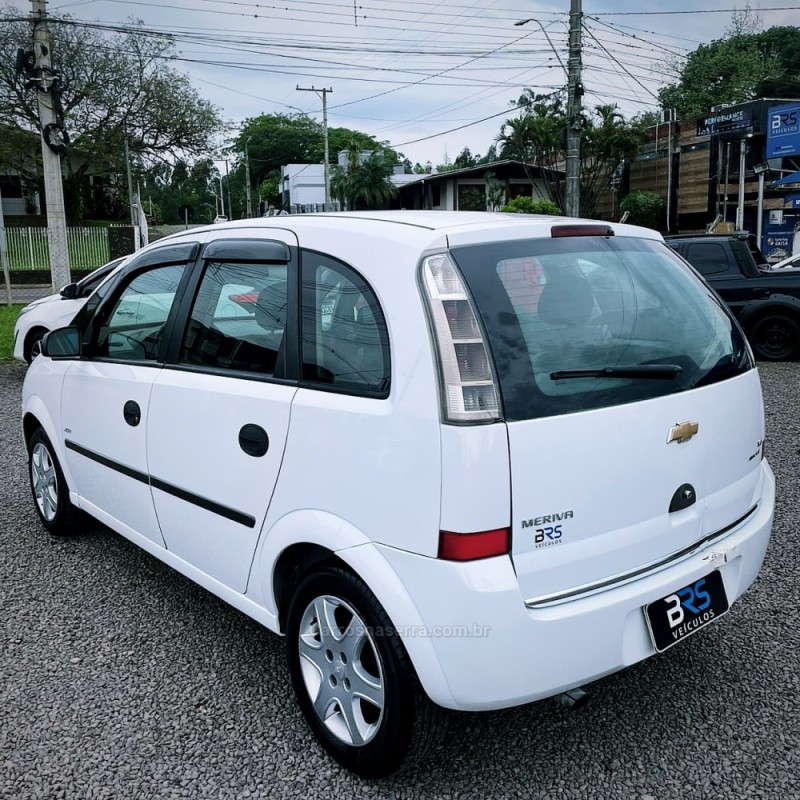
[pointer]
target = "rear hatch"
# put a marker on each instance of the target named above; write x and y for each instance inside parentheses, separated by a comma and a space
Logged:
(633, 412)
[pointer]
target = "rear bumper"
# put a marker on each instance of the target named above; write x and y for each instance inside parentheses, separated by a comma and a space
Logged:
(495, 652)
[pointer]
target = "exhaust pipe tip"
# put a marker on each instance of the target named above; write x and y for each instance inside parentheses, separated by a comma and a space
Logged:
(573, 699)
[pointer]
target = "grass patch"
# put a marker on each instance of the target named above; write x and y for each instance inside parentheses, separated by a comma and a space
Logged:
(8, 316)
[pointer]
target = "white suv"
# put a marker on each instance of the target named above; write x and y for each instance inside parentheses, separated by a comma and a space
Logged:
(460, 460)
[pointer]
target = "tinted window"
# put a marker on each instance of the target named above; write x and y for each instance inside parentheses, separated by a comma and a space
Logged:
(238, 319)
(133, 328)
(88, 284)
(552, 306)
(708, 257)
(345, 342)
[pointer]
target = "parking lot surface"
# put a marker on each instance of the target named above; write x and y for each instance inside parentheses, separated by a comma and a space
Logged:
(119, 678)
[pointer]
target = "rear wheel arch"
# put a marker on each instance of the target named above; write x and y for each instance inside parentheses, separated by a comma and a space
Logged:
(291, 567)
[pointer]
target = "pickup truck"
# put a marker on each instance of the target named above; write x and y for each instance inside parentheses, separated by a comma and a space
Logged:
(766, 302)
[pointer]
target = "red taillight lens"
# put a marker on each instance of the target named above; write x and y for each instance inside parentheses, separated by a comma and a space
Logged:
(471, 546)
(557, 231)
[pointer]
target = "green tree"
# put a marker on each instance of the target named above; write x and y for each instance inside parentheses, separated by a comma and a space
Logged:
(536, 138)
(491, 155)
(465, 159)
(274, 140)
(495, 190)
(364, 184)
(169, 187)
(742, 67)
(106, 84)
(644, 208)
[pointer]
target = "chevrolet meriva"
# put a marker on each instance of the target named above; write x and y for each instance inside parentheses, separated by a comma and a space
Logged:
(460, 460)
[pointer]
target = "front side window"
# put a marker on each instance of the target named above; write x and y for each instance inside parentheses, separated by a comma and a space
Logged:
(345, 341)
(134, 327)
(589, 322)
(238, 319)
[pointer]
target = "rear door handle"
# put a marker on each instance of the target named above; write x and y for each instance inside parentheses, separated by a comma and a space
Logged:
(253, 440)
(132, 413)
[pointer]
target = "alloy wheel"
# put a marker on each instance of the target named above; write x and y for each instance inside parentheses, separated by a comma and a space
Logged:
(341, 670)
(45, 481)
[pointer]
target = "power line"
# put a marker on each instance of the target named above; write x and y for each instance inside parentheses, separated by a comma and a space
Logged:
(689, 11)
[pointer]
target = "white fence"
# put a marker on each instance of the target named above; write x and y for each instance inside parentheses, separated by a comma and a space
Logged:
(28, 248)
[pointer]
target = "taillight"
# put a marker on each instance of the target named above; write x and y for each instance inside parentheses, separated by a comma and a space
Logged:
(469, 390)
(472, 546)
(763, 448)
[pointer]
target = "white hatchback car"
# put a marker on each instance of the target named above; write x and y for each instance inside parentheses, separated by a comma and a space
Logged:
(55, 310)
(459, 459)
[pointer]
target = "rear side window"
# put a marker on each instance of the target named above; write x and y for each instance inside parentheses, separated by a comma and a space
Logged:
(562, 315)
(238, 320)
(708, 258)
(344, 338)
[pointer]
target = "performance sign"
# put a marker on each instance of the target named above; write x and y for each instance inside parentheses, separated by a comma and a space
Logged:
(730, 124)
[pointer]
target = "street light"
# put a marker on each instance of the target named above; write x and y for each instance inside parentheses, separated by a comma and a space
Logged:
(547, 36)
(574, 91)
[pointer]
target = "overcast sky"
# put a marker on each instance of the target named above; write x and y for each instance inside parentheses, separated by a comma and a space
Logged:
(412, 72)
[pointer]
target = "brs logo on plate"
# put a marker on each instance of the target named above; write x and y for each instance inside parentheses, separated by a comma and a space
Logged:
(692, 599)
(675, 616)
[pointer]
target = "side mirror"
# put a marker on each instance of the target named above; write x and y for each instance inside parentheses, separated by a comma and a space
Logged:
(70, 291)
(62, 344)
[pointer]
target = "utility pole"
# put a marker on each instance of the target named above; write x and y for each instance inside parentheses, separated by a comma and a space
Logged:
(131, 204)
(324, 94)
(54, 142)
(247, 174)
(228, 182)
(574, 94)
(4, 254)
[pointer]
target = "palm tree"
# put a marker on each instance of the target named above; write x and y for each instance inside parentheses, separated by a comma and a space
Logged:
(363, 184)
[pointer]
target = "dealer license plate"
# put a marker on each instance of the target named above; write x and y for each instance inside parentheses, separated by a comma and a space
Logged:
(685, 611)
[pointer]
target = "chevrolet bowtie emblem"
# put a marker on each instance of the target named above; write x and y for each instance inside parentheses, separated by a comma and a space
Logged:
(682, 432)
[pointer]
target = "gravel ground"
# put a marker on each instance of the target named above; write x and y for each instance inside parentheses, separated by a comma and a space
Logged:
(121, 679)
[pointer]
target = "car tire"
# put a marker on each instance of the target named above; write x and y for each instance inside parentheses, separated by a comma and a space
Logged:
(49, 488)
(353, 655)
(774, 337)
(33, 338)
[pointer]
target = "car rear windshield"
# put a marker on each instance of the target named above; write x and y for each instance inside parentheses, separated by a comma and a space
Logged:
(590, 322)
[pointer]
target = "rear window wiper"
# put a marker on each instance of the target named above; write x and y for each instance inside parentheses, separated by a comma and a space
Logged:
(646, 371)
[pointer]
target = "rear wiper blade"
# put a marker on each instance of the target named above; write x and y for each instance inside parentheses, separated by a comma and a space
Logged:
(646, 371)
